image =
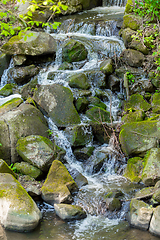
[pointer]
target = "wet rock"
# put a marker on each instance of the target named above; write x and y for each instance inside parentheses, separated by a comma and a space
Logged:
(101, 132)
(94, 101)
(156, 195)
(59, 185)
(97, 114)
(18, 211)
(69, 212)
(114, 194)
(81, 104)
(113, 204)
(84, 93)
(138, 137)
(134, 169)
(30, 43)
(139, 46)
(19, 60)
(127, 34)
(132, 57)
(139, 86)
(151, 171)
(97, 78)
(4, 62)
(107, 66)
(104, 95)
(136, 102)
(23, 121)
(7, 90)
(113, 83)
(136, 116)
(27, 90)
(96, 161)
(28, 169)
(79, 81)
(23, 74)
(140, 214)
(37, 151)
(65, 66)
(155, 221)
(145, 193)
(79, 179)
(131, 21)
(156, 103)
(83, 154)
(57, 102)
(4, 168)
(10, 105)
(74, 51)
(79, 135)
(33, 191)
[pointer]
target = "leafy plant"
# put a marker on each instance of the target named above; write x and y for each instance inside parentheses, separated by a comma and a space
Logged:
(130, 77)
(50, 132)
(14, 169)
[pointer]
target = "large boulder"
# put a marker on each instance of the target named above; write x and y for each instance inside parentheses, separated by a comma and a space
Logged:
(59, 185)
(28, 169)
(132, 57)
(57, 101)
(97, 114)
(18, 212)
(30, 43)
(10, 105)
(79, 81)
(136, 102)
(131, 21)
(139, 137)
(155, 221)
(36, 150)
(23, 121)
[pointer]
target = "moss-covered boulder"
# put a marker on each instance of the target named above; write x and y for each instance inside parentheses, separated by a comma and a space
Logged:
(69, 212)
(30, 43)
(155, 221)
(145, 193)
(151, 171)
(139, 46)
(25, 120)
(59, 185)
(107, 66)
(79, 135)
(139, 137)
(127, 34)
(140, 214)
(113, 204)
(57, 102)
(136, 116)
(134, 169)
(136, 102)
(131, 21)
(101, 132)
(156, 103)
(132, 57)
(10, 105)
(74, 51)
(66, 66)
(43, 154)
(28, 169)
(83, 154)
(7, 90)
(22, 75)
(4, 168)
(94, 101)
(81, 104)
(156, 195)
(18, 211)
(129, 6)
(79, 81)
(97, 114)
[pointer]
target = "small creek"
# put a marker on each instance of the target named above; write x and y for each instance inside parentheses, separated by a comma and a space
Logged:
(97, 29)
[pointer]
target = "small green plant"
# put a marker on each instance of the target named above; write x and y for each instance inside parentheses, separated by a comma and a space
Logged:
(50, 132)
(14, 169)
(130, 77)
(0, 144)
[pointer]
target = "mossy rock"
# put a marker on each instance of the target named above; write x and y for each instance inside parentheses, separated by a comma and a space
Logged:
(113, 204)
(156, 195)
(65, 66)
(97, 78)
(57, 102)
(156, 103)
(4, 168)
(145, 193)
(129, 6)
(22, 213)
(43, 154)
(151, 171)
(134, 169)
(94, 101)
(132, 57)
(114, 194)
(139, 137)
(139, 46)
(136, 116)
(27, 90)
(81, 104)
(127, 34)
(69, 212)
(5, 147)
(101, 132)
(10, 105)
(136, 102)
(28, 169)
(131, 21)
(107, 66)
(74, 51)
(97, 114)
(155, 221)
(59, 185)
(79, 81)
(18, 60)
(7, 90)
(79, 135)
(83, 154)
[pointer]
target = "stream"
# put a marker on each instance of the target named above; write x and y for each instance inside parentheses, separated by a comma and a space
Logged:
(98, 30)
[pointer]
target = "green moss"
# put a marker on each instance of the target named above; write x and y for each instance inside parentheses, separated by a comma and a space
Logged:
(7, 90)
(156, 103)
(131, 21)
(136, 102)
(134, 169)
(134, 116)
(79, 81)
(129, 6)
(97, 114)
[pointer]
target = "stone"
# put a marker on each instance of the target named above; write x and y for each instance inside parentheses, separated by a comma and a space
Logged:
(156, 195)
(30, 43)
(7, 90)
(140, 214)
(151, 171)
(129, 6)
(113, 204)
(139, 137)
(37, 151)
(145, 193)
(18, 60)
(134, 169)
(139, 46)
(83, 154)
(27, 89)
(97, 78)
(4, 62)
(136, 116)
(28, 169)
(96, 102)
(65, 66)
(59, 185)
(79, 179)
(132, 57)
(155, 221)
(69, 212)
(156, 103)
(131, 21)
(10, 105)
(127, 34)
(18, 212)
(107, 66)
(79, 135)
(113, 83)
(101, 132)
(74, 51)
(97, 114)
(81, 104)
(79, 81)
(136, 102)
(57, 102)
(4, 168)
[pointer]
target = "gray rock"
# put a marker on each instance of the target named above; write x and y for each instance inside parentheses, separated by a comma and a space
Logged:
(155, 221)
(132, 57)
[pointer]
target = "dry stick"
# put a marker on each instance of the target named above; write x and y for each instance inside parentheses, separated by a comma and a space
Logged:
(70, 25)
